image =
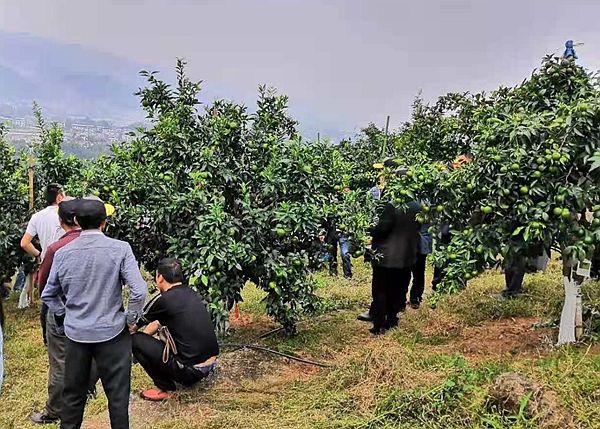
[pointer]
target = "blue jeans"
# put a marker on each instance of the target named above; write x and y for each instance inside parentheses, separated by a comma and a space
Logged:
(344, 244)
(19, 281)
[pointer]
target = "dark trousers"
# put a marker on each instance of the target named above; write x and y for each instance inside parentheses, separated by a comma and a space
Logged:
(148, 351)
(389, 289)
(113, 359)
(57, 345)
(418, 279)
(43, 314)
(514, 276)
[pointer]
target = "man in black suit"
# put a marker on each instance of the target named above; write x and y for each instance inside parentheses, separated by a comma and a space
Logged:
(395, 243)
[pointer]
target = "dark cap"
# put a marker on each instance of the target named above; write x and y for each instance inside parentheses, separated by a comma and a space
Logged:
(67, 210)
(90, 213)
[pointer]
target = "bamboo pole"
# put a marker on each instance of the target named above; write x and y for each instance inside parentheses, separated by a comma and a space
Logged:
(30, 164)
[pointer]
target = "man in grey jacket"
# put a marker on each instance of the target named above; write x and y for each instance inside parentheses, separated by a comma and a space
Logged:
(90, 272)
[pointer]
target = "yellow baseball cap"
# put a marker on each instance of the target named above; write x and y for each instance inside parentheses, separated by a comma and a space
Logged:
(110, 209)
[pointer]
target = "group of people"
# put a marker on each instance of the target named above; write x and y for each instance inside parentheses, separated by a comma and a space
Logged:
(89, 331)
(401, 246)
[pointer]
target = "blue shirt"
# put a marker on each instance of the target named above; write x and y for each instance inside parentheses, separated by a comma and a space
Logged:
(376, 192)
(90, 272)
(425, 240)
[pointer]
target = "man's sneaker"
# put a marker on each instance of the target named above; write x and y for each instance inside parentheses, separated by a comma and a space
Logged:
(43, 418)
(156, 395)
(364, 317)
(415, 305)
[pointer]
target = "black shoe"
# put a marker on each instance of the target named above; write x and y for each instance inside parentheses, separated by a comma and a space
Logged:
(391, 325)
(377, 331)
(364, 317)
(506, 295)
(43, 418)
(415, 305)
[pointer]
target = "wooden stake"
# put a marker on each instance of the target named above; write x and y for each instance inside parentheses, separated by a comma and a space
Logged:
(30, 164)
(385, 141)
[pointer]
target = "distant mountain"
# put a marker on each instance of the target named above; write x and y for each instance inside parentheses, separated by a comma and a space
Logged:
(70, 80)
(67, 80)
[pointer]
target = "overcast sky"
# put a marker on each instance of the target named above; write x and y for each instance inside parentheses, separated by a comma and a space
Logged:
(342, 62)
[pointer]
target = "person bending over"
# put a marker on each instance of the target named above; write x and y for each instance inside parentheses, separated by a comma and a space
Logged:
(187, 349)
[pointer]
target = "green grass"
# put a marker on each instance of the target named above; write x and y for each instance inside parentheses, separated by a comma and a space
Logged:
(434, 371)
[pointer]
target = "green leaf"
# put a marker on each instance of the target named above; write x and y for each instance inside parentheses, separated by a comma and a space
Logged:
(517, 231)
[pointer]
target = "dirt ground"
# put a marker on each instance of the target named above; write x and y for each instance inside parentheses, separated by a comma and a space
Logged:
(241, 370)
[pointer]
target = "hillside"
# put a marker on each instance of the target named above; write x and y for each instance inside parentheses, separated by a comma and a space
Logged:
(67, 80)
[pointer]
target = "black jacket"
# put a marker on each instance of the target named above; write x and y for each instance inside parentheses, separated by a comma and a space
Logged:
(396, 237)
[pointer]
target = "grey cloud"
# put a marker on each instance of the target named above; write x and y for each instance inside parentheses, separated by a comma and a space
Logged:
(343, 62)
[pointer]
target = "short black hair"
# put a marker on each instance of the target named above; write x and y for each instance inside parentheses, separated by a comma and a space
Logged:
(67, 211)
(170, 269)
(90, 214)
(53, 190)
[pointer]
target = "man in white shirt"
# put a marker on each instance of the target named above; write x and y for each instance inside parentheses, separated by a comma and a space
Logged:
(44, 224)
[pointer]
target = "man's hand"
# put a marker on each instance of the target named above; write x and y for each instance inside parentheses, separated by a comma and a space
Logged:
(132, 328)
(152, 328)
(60, 324)
(28, 247)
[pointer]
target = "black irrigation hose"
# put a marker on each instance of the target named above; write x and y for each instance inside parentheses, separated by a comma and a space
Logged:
(271, 332)
(238, 346)
(265, 335)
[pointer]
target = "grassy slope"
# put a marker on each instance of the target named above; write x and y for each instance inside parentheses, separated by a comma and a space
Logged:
(432, 372)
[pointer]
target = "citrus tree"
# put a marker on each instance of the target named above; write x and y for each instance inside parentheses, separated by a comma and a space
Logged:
(236, 196)
(13, 206)
(532, 182)
(369, 147)
(52, 165)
